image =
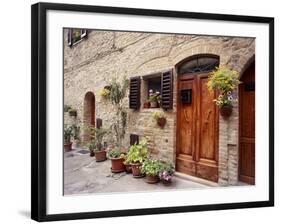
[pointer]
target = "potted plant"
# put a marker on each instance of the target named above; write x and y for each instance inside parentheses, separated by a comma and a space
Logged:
(127, 164)
(160, 118)
(225, 81)
(76, 135)
(154, 98)
(118, 92)
(137, 154)
(66, 108)
(166, 173)
(91, 146)
(117, 160)
(72, 112)
(95, 145)
(100, 152)
(67, 134)
(151, 168)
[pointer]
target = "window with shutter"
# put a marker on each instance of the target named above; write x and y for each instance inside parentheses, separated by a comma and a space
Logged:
(134, 95)
(134, 139)
(75, 36)
(167, 90)
(99, 123)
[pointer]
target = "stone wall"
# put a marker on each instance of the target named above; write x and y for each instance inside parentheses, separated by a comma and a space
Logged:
(91, 64)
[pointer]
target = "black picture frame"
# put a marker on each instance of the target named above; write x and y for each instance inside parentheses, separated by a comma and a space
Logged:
(39, 108)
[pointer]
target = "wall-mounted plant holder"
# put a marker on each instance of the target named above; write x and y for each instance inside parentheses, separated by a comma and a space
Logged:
(186, 96)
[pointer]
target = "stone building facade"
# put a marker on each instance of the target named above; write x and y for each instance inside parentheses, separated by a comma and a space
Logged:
(90, 65)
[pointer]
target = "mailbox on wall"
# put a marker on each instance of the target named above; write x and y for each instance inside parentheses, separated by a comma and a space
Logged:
(186, 96)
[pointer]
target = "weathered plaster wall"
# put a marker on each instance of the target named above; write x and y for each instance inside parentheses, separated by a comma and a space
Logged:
(91, 64)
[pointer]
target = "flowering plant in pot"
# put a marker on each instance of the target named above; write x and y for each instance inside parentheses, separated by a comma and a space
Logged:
(137, 154)
(151, 168)
(154, 98)
(67, 134)
(117, 160)
(160, 118)
(225, 81)
(166, 173)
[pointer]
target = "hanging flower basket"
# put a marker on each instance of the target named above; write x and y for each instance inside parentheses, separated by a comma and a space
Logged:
(226, 111)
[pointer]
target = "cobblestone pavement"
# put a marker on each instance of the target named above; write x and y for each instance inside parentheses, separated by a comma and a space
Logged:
(83, 175)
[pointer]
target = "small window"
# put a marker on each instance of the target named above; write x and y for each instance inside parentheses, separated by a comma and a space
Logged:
(154, 84)
(199, 64)
(76, 35)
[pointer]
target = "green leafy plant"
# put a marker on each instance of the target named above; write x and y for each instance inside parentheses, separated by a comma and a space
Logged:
(225, 81)
(152, 167)
(72, 112)
(154, 97)
(76, 132)
(158, 114)
(115, 153)
(137, 152)
(67, 134)
(117, 94)
(66, 108)
(96, 135)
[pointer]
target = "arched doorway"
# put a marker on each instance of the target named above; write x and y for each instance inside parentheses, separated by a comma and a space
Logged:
(197, 119)
(247, 126)
(89, 112)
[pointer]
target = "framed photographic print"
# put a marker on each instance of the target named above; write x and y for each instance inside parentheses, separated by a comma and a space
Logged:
(139, 111)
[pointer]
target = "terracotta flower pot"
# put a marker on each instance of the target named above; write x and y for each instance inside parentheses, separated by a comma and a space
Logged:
(151, 179)
(154, 104)
(128, 168)
(100, 155)
(226, 111)
(92, 153)
(161, 121)
(136, 170)
(146, 105)
(117, 165)
(67, 146)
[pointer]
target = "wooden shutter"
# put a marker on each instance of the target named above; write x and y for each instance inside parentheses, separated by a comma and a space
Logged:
(134, 139)
(167, 90)
(98, 123)
(134, 95)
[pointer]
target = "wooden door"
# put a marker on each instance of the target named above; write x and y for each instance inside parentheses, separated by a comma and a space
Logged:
(247, 126)
(197, 128)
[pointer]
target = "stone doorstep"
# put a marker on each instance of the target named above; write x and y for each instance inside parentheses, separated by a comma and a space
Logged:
(196, 179)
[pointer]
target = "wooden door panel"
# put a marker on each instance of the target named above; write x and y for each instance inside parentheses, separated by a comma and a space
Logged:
(186, 123)
(247, 126)
(207, 118)
(197, 130)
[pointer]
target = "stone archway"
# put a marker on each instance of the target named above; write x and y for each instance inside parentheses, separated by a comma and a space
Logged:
(89, 115)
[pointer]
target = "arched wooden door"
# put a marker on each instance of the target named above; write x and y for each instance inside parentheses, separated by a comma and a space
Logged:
(89, 112)
(247, 126)
(197, 121)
